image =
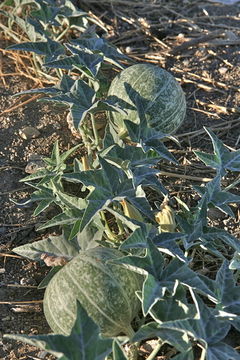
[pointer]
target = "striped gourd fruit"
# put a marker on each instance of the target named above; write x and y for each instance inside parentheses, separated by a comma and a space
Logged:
(162, 97)
(105, 290)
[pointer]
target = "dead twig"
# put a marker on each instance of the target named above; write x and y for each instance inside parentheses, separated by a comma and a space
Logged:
(187, 177)
(11, 255)
(20, 286)
(206, 112)
(207, 80)
(201, 39)
(21, 302)
(216, 128)
(14, 107)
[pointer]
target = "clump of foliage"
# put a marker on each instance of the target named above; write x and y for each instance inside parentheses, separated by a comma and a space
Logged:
(102, 203)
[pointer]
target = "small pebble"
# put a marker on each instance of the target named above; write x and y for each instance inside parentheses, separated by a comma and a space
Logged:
(29, 132)
(222, 70)
(6, 318)
(35, 162)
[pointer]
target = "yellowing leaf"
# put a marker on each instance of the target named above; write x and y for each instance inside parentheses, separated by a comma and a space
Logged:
(166, 218)
(130, 211)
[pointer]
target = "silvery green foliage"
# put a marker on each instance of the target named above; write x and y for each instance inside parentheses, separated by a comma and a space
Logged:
(222, 159)
(84, 342)
(176, 314)
(164, 294)
(169, 277)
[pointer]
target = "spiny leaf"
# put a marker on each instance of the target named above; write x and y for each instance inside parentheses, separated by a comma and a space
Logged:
(218, 197)
(147, 137)
(170, 336)
(79, 60)
(84, 342)
(137, 163)
(50, 49)
(110, 183)
(205, 326)
(52, 245)
(161, 278)
(172, 307)
(226, 290)
(222, 159)
(101, 46)
(67, 217)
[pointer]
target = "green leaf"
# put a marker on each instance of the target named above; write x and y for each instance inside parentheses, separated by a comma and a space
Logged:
(55, 165)
(152, 292)
(79, 60)
(205, 328)
(101, 46)
(45, 13)
(110, 183)
(52, 245)
(118, 352)
(67, 217)
(172, 307)
(138, 237)
(50, 49)
(147, 137)
(62, 87)
(227, 293)
(170, 336)
(84, 342)
(209, 238)
(222, 351)
(43, 205)
(138, 163)
(161, 278)
(71, 202)
(168, 244)
(199, 234)
(222, 159)
(218, 197)
(44, 283)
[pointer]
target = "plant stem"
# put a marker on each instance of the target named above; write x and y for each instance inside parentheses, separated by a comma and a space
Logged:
(95, 132)
(107, 230)
(85, 140)
(203, 354)
(155, 351)
(237, 181)
(62, 34)
(116, 206)
(133, 348)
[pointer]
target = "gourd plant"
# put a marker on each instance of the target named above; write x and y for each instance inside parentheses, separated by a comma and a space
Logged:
(43, 25)
(123, 270)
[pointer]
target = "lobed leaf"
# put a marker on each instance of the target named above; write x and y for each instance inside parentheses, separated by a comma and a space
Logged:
(222, 159)
(84, 342)
(52, 245)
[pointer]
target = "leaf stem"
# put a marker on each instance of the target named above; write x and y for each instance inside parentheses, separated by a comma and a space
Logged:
(107, 230)
(133, 348)
(203, 354)
(85, 140)
(62, 34)
(95, 132)
(155, 351)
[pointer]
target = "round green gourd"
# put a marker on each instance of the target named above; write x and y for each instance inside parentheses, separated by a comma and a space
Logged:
(106, 291)
(163, 98)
